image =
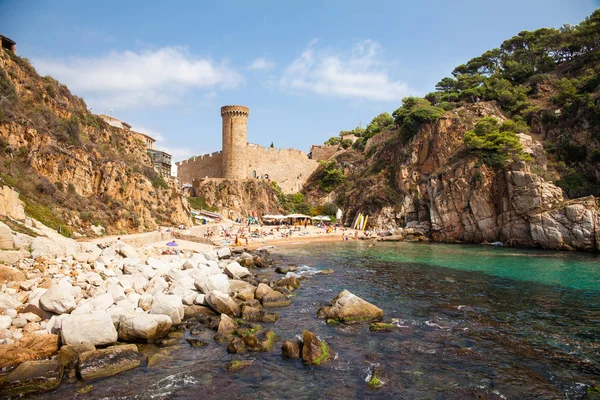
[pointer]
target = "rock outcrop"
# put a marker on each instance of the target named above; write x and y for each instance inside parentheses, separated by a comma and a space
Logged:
(349, 308)
(433, 190)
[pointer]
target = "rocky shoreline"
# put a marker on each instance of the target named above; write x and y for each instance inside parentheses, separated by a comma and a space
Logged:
(70, 318)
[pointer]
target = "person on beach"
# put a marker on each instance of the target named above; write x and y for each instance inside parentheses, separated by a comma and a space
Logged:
(119, 244)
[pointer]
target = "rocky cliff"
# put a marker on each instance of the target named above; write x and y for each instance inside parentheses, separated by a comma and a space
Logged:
(74, 172)
(432, 186)
(239, 198)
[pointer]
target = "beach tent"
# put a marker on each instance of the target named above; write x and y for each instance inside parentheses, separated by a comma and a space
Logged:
(338, 214)
(207, 219)
(298, 216)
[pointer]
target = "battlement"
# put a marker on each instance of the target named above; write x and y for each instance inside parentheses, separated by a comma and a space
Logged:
(239, 159)
(235, 110)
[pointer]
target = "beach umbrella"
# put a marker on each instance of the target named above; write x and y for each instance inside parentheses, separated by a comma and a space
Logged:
(172, 244)
(325, 218)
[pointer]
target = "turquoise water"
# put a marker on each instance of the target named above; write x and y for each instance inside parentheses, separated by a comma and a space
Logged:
(562, 269)
(476, 322)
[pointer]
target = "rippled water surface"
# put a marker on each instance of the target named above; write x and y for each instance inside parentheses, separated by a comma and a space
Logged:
(476, 322)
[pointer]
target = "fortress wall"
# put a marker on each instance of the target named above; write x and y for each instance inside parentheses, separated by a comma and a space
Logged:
(323, 152)
(379, 139)
(208, 165)
(290, 168)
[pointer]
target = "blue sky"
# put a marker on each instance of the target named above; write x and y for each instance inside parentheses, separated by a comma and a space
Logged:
(306, 69)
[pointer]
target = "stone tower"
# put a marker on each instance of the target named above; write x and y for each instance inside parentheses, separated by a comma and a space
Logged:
(235, 124)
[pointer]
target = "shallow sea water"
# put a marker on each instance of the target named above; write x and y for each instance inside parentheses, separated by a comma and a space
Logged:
(476, 322)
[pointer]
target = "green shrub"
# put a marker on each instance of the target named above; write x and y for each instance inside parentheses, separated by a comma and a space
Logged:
(329, 176)
(346, 143)
(494, 143)
(199, 203)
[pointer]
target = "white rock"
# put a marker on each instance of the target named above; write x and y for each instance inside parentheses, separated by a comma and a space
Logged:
(11, 313)
(35, 296)
(59, 298)
(31, 317)
(116, 291)
(126, 304)
(100, 303)
(170, 305)
(200, 300)
(137, 282)
(96, 328)
(7, 301)
(5, 322)
(115, 313)
(157, 285)
(211, 255)
(207, 284)
(135, 327)
(224, 252)
(93, 278)
(235, 271)
(19, 322)
(145, 301)
(134, 298)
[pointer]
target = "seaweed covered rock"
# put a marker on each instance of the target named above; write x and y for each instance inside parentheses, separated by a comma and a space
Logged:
(314, 351)
(109, 361)
(32, 377)
(275, 299)
(349, 308)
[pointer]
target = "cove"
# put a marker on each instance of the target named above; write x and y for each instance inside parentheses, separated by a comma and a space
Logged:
(474, 322)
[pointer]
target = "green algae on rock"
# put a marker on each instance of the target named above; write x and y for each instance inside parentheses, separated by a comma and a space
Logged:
(236, 365)
(314, 351)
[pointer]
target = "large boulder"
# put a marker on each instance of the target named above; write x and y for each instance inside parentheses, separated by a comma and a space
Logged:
(32, 377)
(262, 290)
(314, 351)
(170, 305)
(29, 347)
(235, 271)
(226, 325)
(275, 299)
(96, 328)
(208, 283)
(222, 303)
(242, 290)
(108, 362)
(141, 327)
(349, 308)
(59, 298)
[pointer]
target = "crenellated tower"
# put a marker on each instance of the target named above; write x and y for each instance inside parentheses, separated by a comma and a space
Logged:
(235, 141)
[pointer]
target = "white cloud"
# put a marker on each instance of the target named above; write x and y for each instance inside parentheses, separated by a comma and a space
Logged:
(139, 79)
(359, 75)
(261, 64)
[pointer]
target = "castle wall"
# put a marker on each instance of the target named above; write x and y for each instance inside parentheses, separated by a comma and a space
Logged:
(290, 168)
(208, 165)
(323, 152)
